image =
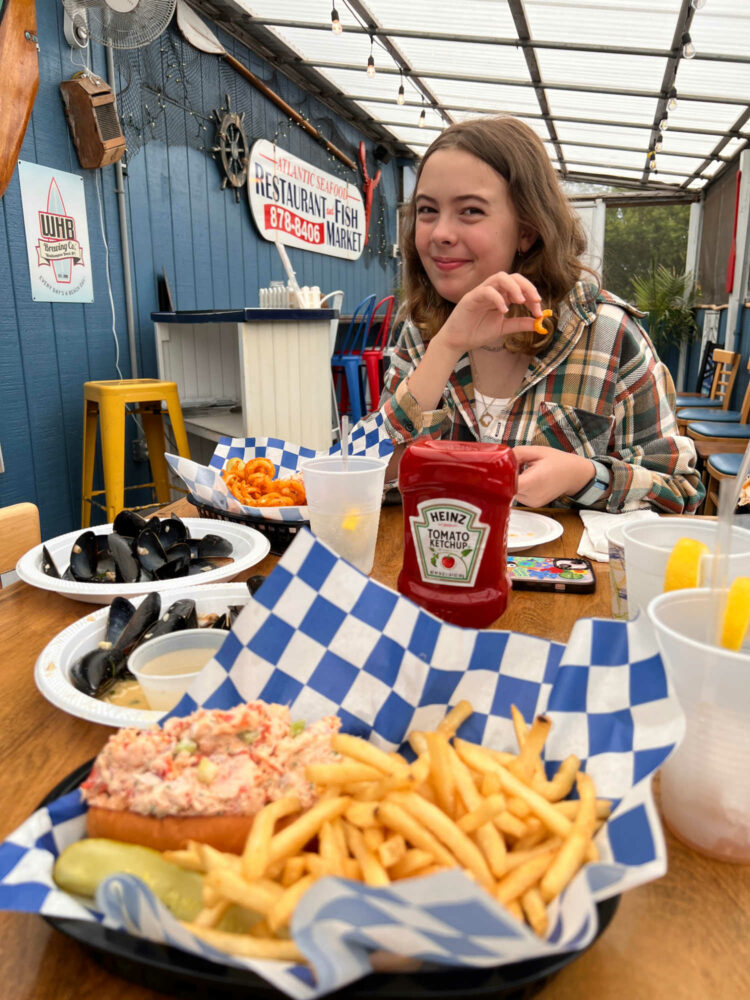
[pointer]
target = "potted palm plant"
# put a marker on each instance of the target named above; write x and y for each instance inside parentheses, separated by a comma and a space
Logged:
(668, 298)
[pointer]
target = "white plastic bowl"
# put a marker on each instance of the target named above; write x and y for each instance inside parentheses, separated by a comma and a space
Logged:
(162, 688)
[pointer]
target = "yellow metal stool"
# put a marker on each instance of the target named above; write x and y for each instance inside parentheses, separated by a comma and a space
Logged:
(107, 401)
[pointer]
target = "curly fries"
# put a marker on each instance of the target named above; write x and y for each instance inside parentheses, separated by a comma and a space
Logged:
(253, 484)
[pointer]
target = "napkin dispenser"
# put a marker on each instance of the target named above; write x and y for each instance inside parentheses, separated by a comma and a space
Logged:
(281, 296)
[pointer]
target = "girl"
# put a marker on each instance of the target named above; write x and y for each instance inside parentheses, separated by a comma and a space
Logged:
(490, 240)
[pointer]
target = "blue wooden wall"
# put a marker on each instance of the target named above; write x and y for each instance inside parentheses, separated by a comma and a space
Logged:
(179, 220)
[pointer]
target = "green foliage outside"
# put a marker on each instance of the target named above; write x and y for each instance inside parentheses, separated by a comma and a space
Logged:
(668, 297)
(644, 263)
(639, 239)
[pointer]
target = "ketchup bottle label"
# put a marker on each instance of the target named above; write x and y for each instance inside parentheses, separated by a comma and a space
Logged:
(449, 540)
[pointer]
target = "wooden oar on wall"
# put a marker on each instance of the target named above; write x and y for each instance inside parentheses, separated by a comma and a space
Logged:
(20, 66)
(200, 37)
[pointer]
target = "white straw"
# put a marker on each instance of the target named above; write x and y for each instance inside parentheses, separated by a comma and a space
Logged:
(729, 494)
(290, 272)
(345, 439)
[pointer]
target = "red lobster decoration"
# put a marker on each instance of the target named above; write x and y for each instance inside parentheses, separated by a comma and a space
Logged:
(368, 184)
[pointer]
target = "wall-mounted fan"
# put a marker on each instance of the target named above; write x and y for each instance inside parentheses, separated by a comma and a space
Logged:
(121, 24)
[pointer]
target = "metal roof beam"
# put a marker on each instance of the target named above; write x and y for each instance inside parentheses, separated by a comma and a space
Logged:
(503, 82)
(383, 32)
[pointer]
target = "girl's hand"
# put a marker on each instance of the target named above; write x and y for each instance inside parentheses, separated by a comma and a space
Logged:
(479, 318)
(546, 473)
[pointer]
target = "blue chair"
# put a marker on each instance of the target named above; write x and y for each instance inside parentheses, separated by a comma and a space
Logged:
(725, 372)
(725, 465)
(346, 364)
(691, 416)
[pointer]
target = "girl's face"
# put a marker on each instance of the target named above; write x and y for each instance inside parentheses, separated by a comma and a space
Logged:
(466, 225)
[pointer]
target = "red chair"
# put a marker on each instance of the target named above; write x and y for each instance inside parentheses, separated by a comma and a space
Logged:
(373, 356)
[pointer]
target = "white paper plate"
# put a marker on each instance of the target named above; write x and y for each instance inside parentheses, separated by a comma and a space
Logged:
(248, 548)
(525, 530)
(53, 665)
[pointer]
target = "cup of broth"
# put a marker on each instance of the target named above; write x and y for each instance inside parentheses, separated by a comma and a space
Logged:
(166, 666)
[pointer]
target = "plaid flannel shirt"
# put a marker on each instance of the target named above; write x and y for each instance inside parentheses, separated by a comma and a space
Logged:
(598, 390)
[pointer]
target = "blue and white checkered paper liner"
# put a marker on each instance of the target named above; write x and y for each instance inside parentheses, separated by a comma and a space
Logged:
(322, 637)
(368, 438)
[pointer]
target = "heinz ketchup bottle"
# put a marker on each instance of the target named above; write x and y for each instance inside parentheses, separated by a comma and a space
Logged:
(457, 497)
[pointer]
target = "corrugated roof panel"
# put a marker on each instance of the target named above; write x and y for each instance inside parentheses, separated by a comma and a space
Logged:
(649, 25)
(473, 17)
(604, 156)
(608, 107)
(600, 69)
(488, 96)
(722, 26)
(715, 79)
(430, 55)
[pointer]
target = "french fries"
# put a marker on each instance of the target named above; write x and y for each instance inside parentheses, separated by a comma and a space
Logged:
(380, 819)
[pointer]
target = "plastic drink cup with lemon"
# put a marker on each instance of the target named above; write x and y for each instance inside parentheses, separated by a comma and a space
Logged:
(343, 501)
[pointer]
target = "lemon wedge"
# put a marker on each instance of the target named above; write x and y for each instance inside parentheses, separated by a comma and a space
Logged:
(351, 521)
(736, 614)
(683, 566)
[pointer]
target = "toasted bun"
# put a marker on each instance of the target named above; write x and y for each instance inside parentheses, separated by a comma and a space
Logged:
(170, 833)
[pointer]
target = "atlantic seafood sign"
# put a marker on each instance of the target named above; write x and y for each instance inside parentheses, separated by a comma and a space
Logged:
(302, 206)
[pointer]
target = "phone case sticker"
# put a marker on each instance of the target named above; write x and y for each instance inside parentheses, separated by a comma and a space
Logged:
(541, 568)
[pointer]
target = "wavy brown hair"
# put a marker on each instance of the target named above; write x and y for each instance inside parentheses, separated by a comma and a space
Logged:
(552, 263)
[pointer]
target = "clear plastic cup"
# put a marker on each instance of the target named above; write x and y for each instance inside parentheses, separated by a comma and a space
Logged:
(344, 504)
(705, 784)
(617, 576)
(167, 665)
(648, 545)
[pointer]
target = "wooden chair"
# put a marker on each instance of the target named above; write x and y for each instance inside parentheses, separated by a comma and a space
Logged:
(719, 467)
(19, 532)
(727, 365)
(714, 437)
(705, 377)
(690, 414)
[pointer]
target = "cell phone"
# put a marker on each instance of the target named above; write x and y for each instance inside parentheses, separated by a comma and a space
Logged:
(574, 575)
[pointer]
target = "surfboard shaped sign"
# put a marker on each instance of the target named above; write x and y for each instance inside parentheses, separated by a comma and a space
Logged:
(302, 206)
(57, 237)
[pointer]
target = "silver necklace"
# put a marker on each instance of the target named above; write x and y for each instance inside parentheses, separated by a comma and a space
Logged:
(485, 418)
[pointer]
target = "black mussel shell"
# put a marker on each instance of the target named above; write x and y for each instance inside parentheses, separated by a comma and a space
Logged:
(48, 564)
(178, 616)
(128, 524)
(120, 613)
(177, 564)
(83, 557)
(149, 551)
(172, 529)
(67, 575)
(96, 672)
(229, 617)
(214, 545)
(143, 618)
(127, 566)
(254, 583)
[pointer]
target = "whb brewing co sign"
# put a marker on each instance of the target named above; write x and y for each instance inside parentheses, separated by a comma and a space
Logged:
(57, 236)
(304, 207)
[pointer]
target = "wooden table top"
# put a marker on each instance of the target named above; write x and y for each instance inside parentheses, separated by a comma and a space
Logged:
(684, 936)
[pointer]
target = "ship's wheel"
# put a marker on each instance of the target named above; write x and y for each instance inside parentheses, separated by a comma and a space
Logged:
(231, 145)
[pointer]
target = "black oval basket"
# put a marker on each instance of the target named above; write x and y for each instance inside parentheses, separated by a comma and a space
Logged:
(279, 533)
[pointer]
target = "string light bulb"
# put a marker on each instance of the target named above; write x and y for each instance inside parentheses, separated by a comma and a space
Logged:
(401, 98)
(672, 99)
(371, 61)
(652, 162)
(697, 4)
(688, 49)
(422, 118)
(335, 22)
(658, 144)
(664, 124)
